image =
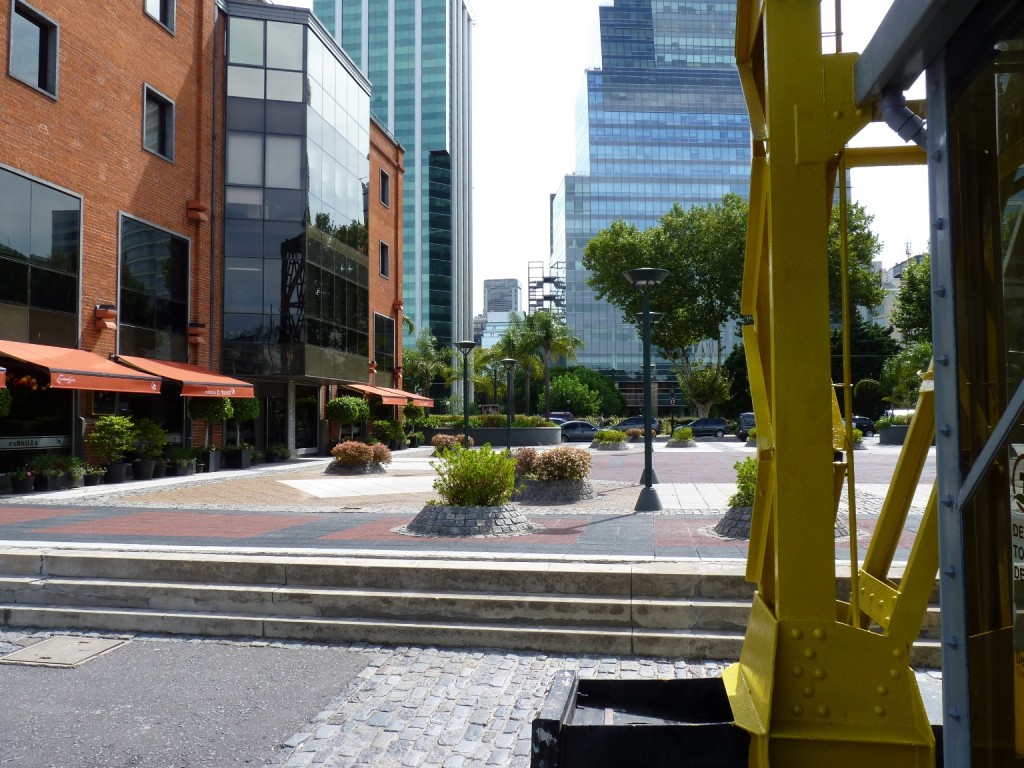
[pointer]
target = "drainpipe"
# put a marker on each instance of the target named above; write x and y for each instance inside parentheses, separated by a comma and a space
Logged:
(898, 116)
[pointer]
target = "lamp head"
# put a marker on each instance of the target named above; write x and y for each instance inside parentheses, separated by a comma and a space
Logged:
(509, 362)
(465, 346)
(645, 277)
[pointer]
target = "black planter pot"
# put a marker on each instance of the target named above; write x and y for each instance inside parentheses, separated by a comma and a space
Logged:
(67, 481)
(24, 485)
(91, 480)
(238, 459)
(116, 473)
(143, 469)
(414, 442)
(47, 482)
(211, 459)
(159, 469)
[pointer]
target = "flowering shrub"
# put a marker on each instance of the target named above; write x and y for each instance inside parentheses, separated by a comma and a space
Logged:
(381, 454)
(635, 433)
(609, 436)
(682, 434)
(444, 443)
(746, 482)
(482, 478)
(352, 454)
(563, 463)
(525, 458)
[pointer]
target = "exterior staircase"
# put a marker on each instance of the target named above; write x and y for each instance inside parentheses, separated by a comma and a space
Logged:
(691, 610)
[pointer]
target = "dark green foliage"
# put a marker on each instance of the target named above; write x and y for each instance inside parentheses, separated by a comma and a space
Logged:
(613, 403)
(870, 346)
(112, 438)
(347, 411)
(912, 314)
(480, 478)
(868, 399)
(746, 483)
(5, 402)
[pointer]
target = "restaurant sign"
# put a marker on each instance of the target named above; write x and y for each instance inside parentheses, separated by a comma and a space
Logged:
(33, 442)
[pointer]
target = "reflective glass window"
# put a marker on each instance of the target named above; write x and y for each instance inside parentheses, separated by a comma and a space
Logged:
(245, 158)
(158, 128)
(162, 11)
(284, 161)
(245, 82)
(284, 45)
(33, 50)
(245, 42)
(284, 86)
(245, 114)
(243, 203)
(243, 285)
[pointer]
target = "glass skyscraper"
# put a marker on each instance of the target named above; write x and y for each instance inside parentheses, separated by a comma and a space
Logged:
(416, 54)
(662, 121)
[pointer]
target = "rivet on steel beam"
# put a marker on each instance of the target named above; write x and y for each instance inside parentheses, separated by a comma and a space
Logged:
(952, 642)
(940, 223)
(940, 291)
(948, 501)
(954, 713)
(945, 430)
(950, 571)
(942, 359)
(937, 155)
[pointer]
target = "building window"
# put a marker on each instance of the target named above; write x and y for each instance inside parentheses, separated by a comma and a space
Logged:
(158, 128)
(384, 342)
(153, 302)
(385, 259)
(385, 189)
(162, 11)
(33, 48)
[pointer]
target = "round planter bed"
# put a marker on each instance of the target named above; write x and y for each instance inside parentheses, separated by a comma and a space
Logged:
(556, 491)
(681, 444)
(373, 468)
(610, 446)
(453, 522)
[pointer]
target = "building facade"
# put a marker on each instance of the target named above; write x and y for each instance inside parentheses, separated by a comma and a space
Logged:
(504, 295)
(417, 55)
(663, 121)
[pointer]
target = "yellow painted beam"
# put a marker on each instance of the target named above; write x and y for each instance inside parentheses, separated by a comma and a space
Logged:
(884, 157)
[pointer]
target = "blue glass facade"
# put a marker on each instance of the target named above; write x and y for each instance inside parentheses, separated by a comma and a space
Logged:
(416, 54)
(662, 122)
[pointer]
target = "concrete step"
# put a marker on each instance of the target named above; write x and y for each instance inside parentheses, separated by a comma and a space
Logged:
(655, 609)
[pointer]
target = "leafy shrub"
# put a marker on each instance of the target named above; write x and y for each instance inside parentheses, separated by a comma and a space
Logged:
(5, 402)
(443, 443)
(347, 411)
(489, 420)
(635, 433)
(442, 421)
(530, 421)
(482, 478)
(151, 438)
(858, 436)
(525, 458)
(609, 436)
(352, 453)
(746, 482)
(180, 455)
(563, 463)
(208, 410)
(413, 412)
(752, 434)
(278, 452)
(381, 454)
(112, 438)
(682, 434)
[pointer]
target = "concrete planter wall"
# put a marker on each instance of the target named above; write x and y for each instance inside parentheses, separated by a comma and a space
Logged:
(893, 435)
(496, 435)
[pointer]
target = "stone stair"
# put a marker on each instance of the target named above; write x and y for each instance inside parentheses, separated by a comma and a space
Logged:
(663, 609)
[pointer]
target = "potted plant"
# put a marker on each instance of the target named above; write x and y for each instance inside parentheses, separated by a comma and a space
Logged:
(180, 461)
(237, 456)
(353, 457)
(22, 480)
(560, 475)
(682, 437)
(245, 410)
(111, 438)
(347, 411)
(92, 474)
(209, 410)
(278, 452)
(74, 471)
(150, 446)
(47, 469)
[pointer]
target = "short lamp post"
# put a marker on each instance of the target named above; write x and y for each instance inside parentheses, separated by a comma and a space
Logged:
(645, 278)
(465, 347)
(510, 367)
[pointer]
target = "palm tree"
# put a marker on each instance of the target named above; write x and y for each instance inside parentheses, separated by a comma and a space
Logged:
(551, 337)
(516, 343)
(425, 362)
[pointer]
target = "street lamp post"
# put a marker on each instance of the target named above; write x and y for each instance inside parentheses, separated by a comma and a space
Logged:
(654, 317)
(465, 347)
(645, 278)
(510, 366)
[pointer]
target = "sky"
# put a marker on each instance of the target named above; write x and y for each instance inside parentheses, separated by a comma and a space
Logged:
(529, 60)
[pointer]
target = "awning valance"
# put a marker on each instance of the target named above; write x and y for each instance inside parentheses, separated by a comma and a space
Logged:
(80, 369)
(195, 381)
(420, 400)
(386, 396)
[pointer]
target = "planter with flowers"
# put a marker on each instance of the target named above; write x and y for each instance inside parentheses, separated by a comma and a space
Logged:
(93, 475)
(47, 469)
(22, 480)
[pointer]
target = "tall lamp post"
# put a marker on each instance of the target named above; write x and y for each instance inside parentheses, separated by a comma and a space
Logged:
(645, 278)
(655, 317)
(465, 347)
(510, 367)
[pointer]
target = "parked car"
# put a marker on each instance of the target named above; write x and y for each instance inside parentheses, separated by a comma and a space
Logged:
(865, 425)
(563, 416)
(708, 427)
(557, 420)
(578, 431)
(637, 422)
(744, 425)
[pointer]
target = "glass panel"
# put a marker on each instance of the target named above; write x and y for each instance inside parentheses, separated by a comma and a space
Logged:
(13, 281)
(52, 290)
(55, 221)
(27, 46)
(281, 238)
(245, 158)
(243, 285)
(251, 327)
(245, 42)
(284, 86)
(284, 45)
(307, 412)
(58, 329)
(285, 205)
(245, 114)
(243, 239)
(14, 320)
(16, 192)
(245, 82)
(242, 203)
(284, 160)
(285, 117)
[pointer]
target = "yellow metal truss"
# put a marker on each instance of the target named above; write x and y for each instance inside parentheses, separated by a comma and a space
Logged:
(820, 681)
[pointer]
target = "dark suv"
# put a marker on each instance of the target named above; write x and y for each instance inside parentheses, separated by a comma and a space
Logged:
(744, 425)
(637, 422)
(708, 427)
(865, 425)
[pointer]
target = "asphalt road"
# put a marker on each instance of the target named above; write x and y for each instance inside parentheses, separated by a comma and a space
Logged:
(167, 703)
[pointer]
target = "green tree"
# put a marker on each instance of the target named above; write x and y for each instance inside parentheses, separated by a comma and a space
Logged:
(912, 313)
(517, 344)
(209, 410)
(870, 346)
(899, 374)
(347, 411)
(613, 403)
(570, 394)
(707, 383)
(735, 368)
(863, 247)
(550, 336)
(245, 409)
(868, 398)
(425, 363)
(702, 248)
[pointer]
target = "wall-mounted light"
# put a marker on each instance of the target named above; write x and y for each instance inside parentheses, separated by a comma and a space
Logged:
(104, 317)
(197, 211)
(196, 333)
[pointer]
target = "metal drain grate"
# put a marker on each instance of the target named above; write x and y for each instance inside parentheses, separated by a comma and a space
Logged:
(63, 652)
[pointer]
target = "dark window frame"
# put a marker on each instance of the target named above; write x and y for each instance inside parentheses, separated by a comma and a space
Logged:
(384, 252)
(385, 189)
(49, 54)
(166, 15)
(166, 107)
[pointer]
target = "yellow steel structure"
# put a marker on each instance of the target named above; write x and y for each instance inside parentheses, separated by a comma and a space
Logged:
(820, 681)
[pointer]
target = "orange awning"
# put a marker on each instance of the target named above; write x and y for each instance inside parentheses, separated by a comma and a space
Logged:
(3, 377)
(80, 369)
(386, 396)
(195, 381)
(420, 400)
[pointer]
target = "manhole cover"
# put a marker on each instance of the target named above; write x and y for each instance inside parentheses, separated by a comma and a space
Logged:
(64, 652)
